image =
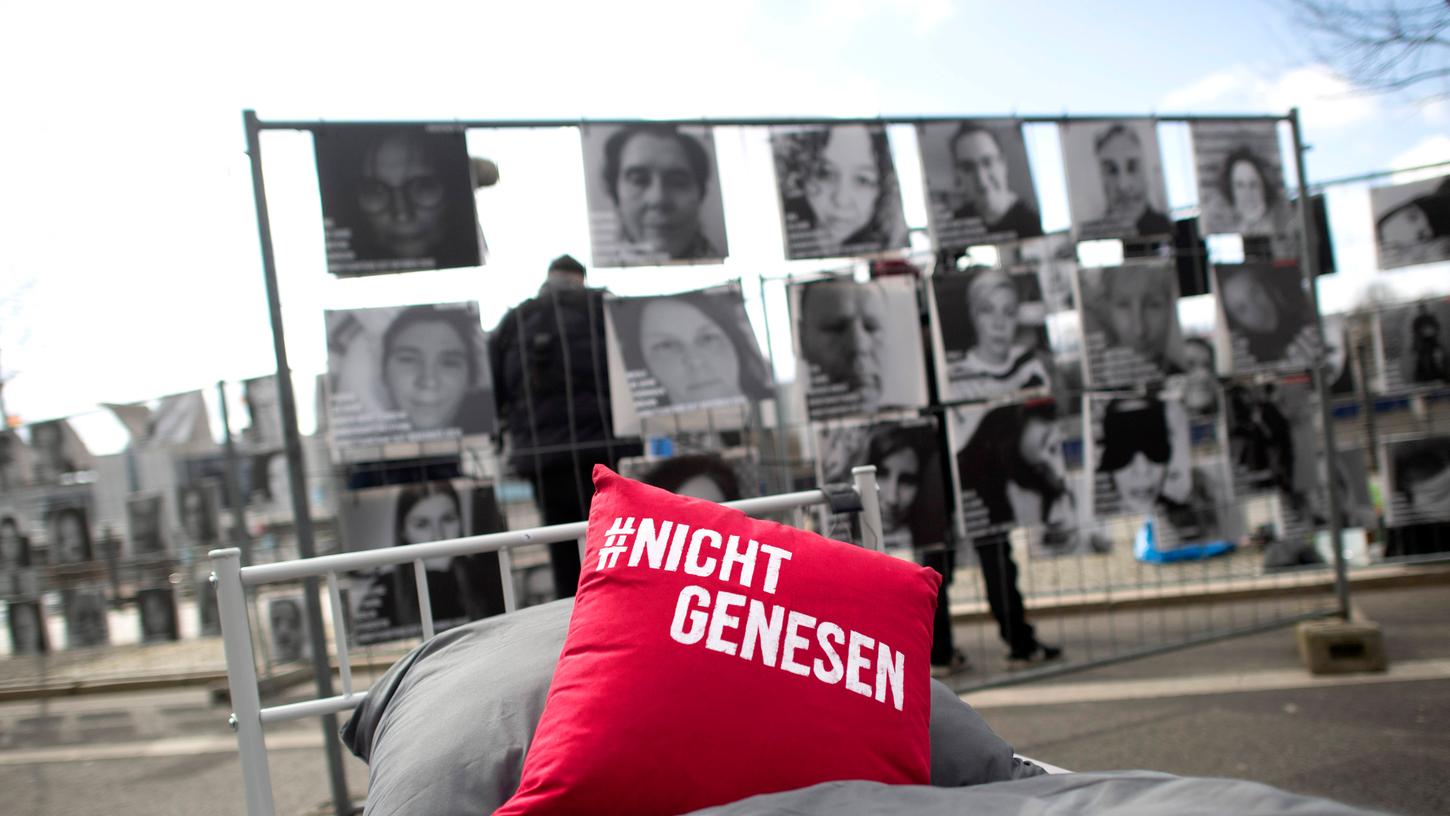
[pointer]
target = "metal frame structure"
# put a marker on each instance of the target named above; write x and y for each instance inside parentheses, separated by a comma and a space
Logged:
(249, 718)
(287, 400)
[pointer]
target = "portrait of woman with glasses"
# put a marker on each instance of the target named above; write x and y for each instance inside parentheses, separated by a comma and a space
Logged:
(396, 199)
(838, 190)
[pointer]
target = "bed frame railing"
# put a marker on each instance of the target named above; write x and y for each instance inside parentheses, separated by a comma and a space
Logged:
(249, 717)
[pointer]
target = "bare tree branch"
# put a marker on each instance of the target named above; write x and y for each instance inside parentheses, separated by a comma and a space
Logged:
(1380, 46)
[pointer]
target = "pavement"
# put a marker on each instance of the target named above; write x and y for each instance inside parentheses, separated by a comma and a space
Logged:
(1243, 707)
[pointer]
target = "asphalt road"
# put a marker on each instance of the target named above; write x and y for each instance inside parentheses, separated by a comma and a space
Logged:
(1381, 741)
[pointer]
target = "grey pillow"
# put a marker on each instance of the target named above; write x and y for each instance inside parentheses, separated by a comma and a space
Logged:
(445, 730)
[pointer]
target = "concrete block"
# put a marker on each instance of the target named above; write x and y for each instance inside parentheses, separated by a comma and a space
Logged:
(1335, 646)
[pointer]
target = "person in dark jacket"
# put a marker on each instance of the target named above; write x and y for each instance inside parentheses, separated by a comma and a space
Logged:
(552, 390)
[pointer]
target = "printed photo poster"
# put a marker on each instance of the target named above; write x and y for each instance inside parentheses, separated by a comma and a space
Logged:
(1115, 186)
(198, 510)
(1010, 470)
(1145, 461)
(653, 191)
(1356, 504)
(264, 412)
(384, 602)
(407, 374)
(978, 182)
(688, 351)
(396, 198)
(1241, 183)
(1053, 258)
(18, 555)
(713, 476)
(57, 452)
(839, 193)
(287, 631)
(212, 467)
(1130, 328)
(1419, 483)
(1273, 444)
(158, 614)
(1414, 345)
(68, 528)
(1267, 317)
(28, 633)
(1412, 222)
(990, 332)
(86, 620)
(145, 526)
(1198, 386)
(858, 345)
(1338, 357)
(907, 456)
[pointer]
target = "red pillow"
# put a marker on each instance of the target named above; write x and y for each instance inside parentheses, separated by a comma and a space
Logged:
(712, 656)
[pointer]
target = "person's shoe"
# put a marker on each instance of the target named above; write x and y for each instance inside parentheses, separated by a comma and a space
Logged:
(1041, 653)
(958, 664)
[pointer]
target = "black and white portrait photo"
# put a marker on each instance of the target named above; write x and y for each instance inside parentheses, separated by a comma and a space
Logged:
(1419, 471)
(1356, 505)
(158, 614)
(993, 333)
(384, 602)
(287, 628)
(1011, 472)
(15, 549)
(86, 617)
(710, 476)
(1130, 323)
(907, 456)
(28, 635)
(1412, 222)
(68, 531)
(1199, 385)
(1115, 186)
(858, 345)
(1143, 463)
(1339, 370)
(1414, 344)
(1053, 258)
(263, 412)
(145, 525)
(198, 509)
(688, 351)
(654, 194)
(1271, 438)
(396, 198)
(56, 451)
(408, 374)
(839, 193)
(1140, 453)
(978, 182)
(1241, 182)
(1268, 317)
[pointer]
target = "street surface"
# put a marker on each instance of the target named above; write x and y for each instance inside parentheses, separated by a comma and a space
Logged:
(1375, 740)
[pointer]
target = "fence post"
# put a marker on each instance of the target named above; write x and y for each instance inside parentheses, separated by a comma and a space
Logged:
(301, 511)
(864, 478)
(246, 717)
(1307, 267)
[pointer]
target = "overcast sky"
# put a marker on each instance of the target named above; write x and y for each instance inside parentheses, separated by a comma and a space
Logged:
(130, 264)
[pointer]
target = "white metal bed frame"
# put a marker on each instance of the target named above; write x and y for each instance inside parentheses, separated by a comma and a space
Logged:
(249, 717)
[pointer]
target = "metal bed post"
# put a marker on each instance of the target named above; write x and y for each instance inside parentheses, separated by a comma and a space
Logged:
(246, 718)
(864, 478)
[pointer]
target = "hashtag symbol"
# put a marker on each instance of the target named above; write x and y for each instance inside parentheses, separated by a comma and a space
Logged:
(615, 542)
